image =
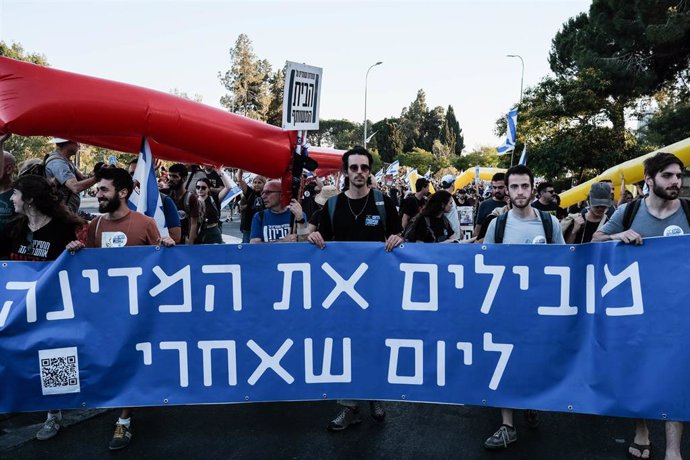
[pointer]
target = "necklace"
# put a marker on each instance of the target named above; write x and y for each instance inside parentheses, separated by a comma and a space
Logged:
(38, 223)
(356, 215)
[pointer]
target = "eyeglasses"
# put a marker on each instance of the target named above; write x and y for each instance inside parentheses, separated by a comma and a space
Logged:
(202, 187)
(363, 168)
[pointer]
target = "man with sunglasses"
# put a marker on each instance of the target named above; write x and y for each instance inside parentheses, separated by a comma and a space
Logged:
(186, 202)
(360, 213)
(275, 223)
(547, 198)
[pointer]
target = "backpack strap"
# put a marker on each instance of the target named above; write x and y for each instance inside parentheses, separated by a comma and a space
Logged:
(547, 223)
(500, 228)
(380, 206)
(630, 211)
(686, 208)
(330, 204)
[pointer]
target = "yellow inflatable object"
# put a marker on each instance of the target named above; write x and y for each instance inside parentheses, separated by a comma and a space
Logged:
(413, 180)
(467, 177)
(631, 171)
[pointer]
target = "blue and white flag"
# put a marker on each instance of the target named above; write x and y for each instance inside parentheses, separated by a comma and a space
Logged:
(411, 174)
(147, 199)
(523, 157)
(428, 173)
(233, 193)
(379, 175)
(393, 168)
(511, 130)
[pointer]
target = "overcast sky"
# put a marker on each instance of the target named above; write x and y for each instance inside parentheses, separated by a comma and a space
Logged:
(454, 50)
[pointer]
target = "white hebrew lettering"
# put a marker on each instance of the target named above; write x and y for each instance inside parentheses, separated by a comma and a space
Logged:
(206, 346)
(288, 270)
(184, 274)
(590, 290)
(181, 348)
(522, 271)
(68, 307)
(131, 273)
(466, 348)
(458, 271)
(92, 276)
(632, 272)
(145, 349)
(496, 272)
(395, 345)
(270, 362)
(236, 276)
(505, 349)
(326, 375)
(441, 363)
(30, 287)
(345, 286)
(564, 309)
(410, 270)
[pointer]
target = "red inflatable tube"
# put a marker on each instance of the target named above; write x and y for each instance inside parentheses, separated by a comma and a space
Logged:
(329, 160)
(40, 101)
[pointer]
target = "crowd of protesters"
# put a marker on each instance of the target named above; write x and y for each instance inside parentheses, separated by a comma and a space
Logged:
(39, 219)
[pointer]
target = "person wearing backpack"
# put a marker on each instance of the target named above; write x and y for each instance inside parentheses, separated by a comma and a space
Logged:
(431, 225)
(69, 180)
(661, 213)
(187, 203)
(521, 225)
(360, 213)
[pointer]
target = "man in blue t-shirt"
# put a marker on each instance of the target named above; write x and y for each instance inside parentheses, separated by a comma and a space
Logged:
(275, 223)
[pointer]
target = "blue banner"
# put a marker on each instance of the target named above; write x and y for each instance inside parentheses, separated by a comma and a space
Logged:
(597, 328)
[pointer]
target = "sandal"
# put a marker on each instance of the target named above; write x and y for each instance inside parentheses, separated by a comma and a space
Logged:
(641, 448)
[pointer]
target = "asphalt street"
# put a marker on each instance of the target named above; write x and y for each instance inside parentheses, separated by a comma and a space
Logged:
(297, 430)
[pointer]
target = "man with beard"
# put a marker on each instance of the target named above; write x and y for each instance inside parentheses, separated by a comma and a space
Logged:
(521, 225)
(661, 213)
(498, 200)
(119, 226)
(69, 180)
(358, 214)
(185, 201)
(546, 200)
(411, 205)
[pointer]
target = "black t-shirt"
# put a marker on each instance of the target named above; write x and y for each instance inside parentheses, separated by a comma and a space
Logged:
(584, 235)
(486, 207)
(359, 220)
(394, 193)
(254, 204)
(211, 211)
(411, 206)
(437, 231)
(551, 207)
(308, 204)
(46, 243)
(315, 219)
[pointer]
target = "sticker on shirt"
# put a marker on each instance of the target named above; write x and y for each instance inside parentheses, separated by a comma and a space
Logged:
(539, 240)
(673, 230)
(372, 221)
(113, 240)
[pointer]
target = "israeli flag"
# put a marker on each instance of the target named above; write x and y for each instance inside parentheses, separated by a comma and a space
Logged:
(412, 174)
(428, 173)
(523, 157)
(511, 130)
(147, 199)
(233, 193)
(379, 175)
(393, 168)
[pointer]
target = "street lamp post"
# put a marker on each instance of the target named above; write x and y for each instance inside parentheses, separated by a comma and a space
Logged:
(365, 101)
(522, 79)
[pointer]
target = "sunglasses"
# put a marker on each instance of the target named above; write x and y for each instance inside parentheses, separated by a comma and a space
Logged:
(363, 168)
(202, 187)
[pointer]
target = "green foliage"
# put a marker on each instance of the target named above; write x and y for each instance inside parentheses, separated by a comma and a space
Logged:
(275, 108)
(484, 156)
(389, 138)
(16, 51)
(338, 134)
(412, 120)
(451, 134)
(422, 160)
(668, 125)
(196, 97)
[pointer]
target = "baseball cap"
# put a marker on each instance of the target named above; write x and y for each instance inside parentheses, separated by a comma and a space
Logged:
(600, 194)
(447, 181)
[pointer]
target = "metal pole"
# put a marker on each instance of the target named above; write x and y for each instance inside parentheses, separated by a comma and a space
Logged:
(522, 79)
(366, 78)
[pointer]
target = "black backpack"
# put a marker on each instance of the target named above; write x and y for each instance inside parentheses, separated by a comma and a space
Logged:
(501, 220)
(634, 206)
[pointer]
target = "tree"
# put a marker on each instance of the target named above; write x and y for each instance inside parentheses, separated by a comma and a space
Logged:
(389, 138)
(412, 120)
(275, 107)
(338, 134)
(432, 127)
(484, 156)
(668, 125)
(196, 97)
(451, 134)
(16, 51)
(247, 81)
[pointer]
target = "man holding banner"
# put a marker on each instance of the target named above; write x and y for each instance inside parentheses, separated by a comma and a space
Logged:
(661, 213)
(119, 226)
(360, 213)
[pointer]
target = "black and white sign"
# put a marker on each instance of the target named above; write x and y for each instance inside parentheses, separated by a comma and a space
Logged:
(301, 97)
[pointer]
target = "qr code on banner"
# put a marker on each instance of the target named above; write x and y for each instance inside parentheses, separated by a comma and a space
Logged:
(59, 371)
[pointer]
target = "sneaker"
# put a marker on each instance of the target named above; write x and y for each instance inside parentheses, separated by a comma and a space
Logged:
(532, 418)
(378, 412)
(121, 437)
(501, 438)
(50, 428)
(347, 416)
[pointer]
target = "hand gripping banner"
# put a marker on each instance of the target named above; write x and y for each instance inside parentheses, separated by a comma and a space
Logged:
(597, 328)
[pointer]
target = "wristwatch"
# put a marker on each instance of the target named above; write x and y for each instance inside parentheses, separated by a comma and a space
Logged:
(300, 221)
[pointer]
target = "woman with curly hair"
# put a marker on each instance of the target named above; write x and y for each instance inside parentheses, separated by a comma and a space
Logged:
(42, 226)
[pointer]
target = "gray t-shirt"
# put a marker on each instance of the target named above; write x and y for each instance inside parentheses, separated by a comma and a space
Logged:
(61, 169)
(647, 225)
(454, 219)
(525, 231)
